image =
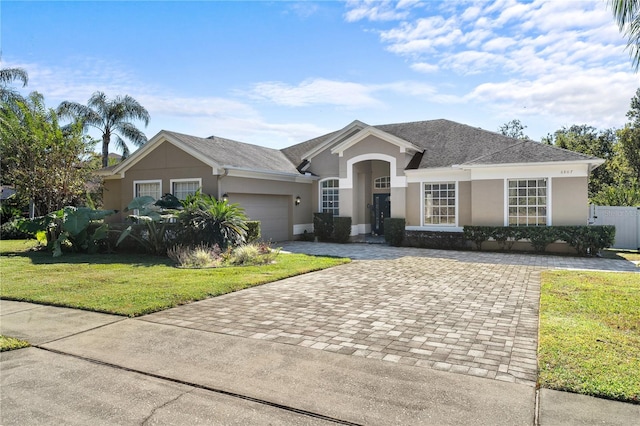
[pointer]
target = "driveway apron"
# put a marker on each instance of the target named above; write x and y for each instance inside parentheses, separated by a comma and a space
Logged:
(462, 312)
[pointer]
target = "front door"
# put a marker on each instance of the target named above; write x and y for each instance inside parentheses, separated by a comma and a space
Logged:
(381, 209)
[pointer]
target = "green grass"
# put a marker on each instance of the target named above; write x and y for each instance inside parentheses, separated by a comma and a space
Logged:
(590, 334)
(130, 284)
(10, 343)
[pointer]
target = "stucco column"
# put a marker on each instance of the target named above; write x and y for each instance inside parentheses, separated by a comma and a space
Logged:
(399, 202)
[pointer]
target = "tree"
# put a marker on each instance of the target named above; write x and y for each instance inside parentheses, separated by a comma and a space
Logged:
(627, 16)
(8, 76)
(588, 140)
(513, 129)
(41, 160)
(629, 138)
(112, 117)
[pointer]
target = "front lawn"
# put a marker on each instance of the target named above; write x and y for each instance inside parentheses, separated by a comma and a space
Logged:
(130, 284)
(590, 334)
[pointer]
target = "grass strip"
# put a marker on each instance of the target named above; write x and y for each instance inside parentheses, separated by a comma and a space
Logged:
(11, 343)
(130, 284)
(590, 334)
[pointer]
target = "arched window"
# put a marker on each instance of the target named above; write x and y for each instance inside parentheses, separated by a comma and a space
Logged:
(383, 182)
(329, 202)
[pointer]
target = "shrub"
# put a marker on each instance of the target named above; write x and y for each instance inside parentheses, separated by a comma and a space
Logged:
(323, 226)
(11, 231)
(586, 240)
(394, 229)
(210, 221)
(477, 234)
(252, 254)
(541, 236)
(307, 236)
(201, 256)
(150, 227)
(78, 229)
(436, 240)
(253, 231)
(341, 229)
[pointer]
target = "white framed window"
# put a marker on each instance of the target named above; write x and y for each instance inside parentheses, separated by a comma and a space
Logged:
(329, 196)
(440, 203)
(180, 188)
(151, 188)
(383, 182)
(527, 202)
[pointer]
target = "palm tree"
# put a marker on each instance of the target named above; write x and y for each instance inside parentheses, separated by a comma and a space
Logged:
(112, 117)
(627, 15)
(7, 76)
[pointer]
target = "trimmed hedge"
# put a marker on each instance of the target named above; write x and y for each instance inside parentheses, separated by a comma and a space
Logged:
(341, 229)
(323, 226)
(586, 240)
(436, 240)
(253, 231)
(394, 231)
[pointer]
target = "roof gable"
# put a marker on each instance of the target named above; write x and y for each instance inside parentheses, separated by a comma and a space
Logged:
(373, 131)
(219, 153)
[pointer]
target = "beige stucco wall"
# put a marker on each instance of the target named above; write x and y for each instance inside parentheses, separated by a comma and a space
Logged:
(164, 163)
(413, 202)
(325, 164)
(487, 202)
(569, 202)
(112, 199)
(464, 203)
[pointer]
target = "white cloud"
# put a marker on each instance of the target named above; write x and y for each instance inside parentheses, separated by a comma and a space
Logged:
(424, 67)
(378, 10)
(597, 97)
(316, 92)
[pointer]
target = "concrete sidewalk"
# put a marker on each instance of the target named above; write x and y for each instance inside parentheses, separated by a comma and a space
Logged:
(104, 369)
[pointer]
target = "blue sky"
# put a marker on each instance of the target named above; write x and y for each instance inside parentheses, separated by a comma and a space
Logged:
(277, 73)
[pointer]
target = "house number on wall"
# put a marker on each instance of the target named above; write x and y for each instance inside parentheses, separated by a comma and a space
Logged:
(566, 172)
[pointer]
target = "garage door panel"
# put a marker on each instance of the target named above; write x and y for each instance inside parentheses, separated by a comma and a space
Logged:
(271, 210)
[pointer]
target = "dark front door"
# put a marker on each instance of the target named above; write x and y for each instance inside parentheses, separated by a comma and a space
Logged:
(381, 209)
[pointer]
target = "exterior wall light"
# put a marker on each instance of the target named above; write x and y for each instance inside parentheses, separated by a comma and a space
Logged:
(225, 197)
(298, 200)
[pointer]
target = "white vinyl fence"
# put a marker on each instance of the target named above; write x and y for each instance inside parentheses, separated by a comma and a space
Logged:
(626, 221)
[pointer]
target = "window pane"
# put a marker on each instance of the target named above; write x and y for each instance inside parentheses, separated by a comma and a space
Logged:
(440, 202)
(529, 207)
(182, 189)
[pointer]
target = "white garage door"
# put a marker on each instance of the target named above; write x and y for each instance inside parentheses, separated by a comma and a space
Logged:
(271, 210)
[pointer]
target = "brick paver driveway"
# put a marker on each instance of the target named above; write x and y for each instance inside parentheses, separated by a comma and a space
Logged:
(463, 312)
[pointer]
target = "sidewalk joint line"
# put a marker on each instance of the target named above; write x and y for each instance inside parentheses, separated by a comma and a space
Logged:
(207, 388)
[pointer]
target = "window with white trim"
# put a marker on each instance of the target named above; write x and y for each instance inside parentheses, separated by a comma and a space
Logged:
(329, 196)
(181, 188)
(440, 203)
(383, 182)
(527, 202)
(151, 188)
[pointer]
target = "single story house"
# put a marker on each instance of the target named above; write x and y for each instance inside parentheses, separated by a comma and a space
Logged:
(438, 175)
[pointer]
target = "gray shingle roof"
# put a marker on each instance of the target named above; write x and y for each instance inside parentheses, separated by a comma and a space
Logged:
(227, 152)
(445, 143)
(528, 152)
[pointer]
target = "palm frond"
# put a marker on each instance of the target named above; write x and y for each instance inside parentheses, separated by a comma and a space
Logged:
(131, 133)
(121, 145)
(8, 75)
